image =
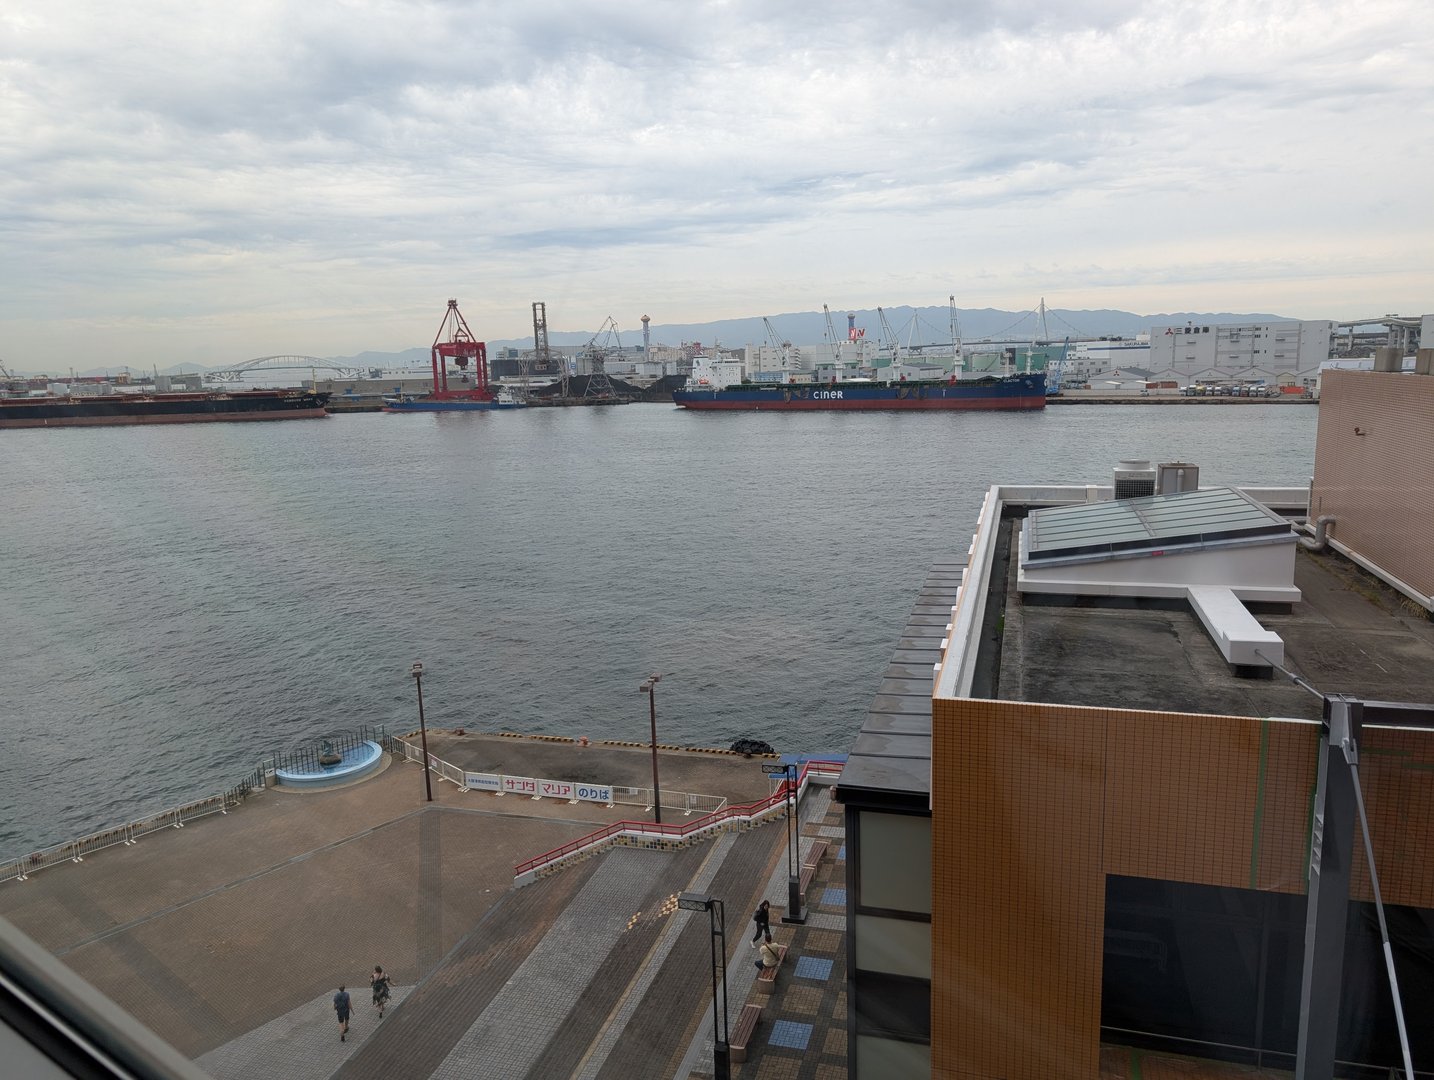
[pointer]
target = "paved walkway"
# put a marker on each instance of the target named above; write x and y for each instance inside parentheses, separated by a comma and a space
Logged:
(802, 1035)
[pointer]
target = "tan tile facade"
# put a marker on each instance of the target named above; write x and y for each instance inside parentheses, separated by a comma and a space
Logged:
(1365, 421)
(1033, 805)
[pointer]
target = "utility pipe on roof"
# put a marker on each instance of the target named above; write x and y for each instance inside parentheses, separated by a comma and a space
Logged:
(1320, 540)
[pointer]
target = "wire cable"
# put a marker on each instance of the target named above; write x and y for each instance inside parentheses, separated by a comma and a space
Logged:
(1351, 757)
(1289, 674)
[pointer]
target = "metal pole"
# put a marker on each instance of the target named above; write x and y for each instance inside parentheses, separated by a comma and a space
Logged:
(650, 688)
(417, 673)
(722, 950)
(794, 914)
(721, 1067)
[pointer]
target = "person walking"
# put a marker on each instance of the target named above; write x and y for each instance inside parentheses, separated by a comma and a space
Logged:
(763, 918)
(341, 1006)
(380, 983)
(767, 956)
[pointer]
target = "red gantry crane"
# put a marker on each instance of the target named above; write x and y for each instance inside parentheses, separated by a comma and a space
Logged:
(456, 342)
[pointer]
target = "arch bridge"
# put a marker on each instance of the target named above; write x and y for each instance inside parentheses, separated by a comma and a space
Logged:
(265, 364)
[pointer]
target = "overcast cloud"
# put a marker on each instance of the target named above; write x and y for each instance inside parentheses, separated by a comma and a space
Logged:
(202, 182)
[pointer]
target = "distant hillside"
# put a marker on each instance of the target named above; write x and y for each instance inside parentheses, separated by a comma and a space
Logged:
(917, 326)
(911, 326)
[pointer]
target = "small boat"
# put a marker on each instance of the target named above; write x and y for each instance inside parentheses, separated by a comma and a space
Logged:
(454, 401)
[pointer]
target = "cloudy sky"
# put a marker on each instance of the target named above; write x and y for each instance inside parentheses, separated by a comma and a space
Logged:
(183, 180)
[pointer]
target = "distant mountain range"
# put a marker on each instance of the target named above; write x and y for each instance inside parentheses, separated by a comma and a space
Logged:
(909, 325)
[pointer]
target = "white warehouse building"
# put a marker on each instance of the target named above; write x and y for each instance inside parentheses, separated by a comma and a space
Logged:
(1287, 353)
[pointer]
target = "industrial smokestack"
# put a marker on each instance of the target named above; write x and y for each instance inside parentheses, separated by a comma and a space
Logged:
(646, 340)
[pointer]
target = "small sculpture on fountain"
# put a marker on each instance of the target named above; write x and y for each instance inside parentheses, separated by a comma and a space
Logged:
(328, 755)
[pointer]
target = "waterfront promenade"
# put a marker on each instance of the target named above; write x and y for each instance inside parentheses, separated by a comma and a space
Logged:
(229, 937)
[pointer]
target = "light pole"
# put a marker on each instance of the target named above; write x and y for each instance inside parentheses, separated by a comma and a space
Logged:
(788, 772)
(417, 672)
(717, 918)
(650, 689)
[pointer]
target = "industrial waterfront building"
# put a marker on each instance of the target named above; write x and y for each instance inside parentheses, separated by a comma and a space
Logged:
(1087, 811)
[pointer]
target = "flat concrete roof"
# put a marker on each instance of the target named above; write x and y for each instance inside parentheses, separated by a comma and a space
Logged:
(1349, 634)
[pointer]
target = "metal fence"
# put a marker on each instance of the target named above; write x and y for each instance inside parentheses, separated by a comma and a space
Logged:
(773, 805)
(175, 818)
(307, 757)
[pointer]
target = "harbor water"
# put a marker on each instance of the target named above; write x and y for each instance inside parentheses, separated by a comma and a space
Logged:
(181, 601)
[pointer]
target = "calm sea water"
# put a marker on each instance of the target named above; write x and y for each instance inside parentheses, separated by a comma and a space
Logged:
(181, 601)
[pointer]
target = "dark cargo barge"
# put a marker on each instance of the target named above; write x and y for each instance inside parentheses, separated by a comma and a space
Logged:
(161, 408)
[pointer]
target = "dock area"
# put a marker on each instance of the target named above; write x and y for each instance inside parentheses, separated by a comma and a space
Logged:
(229, 937)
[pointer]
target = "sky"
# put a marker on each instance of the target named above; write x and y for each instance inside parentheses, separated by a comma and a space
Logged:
(204, 182)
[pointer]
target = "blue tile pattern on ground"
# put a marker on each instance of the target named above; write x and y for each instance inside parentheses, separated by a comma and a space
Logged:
(834, 897)
(841, 852)
(812, 967)
(791, 1034)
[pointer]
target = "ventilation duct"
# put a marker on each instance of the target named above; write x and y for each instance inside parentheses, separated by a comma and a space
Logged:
(1134, 480)
(1176, 476)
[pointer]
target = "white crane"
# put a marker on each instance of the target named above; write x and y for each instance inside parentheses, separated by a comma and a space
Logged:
(783, 347)
(889, 339)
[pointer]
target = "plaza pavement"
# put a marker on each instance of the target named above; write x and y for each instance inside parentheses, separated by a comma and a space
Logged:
(229, 937)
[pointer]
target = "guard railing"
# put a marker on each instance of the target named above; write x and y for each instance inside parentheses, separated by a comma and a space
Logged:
(638, 831)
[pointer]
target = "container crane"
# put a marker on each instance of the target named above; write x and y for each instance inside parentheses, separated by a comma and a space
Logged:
(456, 342)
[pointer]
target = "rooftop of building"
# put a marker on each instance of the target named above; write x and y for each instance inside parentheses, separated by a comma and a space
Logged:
(1348, 633)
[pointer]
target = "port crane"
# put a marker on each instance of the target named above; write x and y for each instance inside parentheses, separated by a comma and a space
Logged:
(888, 338)
(782, 346)
(599, 385)
(456, 342)
(836, 342)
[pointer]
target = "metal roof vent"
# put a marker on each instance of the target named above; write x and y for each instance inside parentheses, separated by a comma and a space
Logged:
(1173, 476)
(1134, 480)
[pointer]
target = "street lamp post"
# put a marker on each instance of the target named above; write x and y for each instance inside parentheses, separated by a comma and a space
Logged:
(788, 771)
(649, 688)
(717, 919)
(417, 672)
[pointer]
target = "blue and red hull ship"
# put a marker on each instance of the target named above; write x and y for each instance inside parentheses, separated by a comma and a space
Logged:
(1017, 392)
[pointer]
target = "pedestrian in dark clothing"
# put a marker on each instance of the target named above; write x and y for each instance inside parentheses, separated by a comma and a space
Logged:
(380, 984)
(341, 1006)
(763, 918)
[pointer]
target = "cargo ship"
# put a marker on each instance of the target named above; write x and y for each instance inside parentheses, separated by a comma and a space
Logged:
(1017, 392)
(146, 408)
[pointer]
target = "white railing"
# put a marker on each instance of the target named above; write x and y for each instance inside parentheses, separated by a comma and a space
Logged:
(687, 802)
(127, 834)
(130, 832)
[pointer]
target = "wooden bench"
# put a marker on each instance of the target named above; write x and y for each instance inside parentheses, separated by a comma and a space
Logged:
(808, 872)
(767, 979)
(816, 853)
(742, 1035)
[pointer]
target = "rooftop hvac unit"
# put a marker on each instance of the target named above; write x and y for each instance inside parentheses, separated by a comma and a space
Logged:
(1134, 480)
(1173, 476)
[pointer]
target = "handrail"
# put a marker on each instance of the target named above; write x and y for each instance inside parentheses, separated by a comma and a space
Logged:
(175, 817)
(685, 801)
(748, 812)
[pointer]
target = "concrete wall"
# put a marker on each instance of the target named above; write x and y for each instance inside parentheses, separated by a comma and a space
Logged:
(1374, 469)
